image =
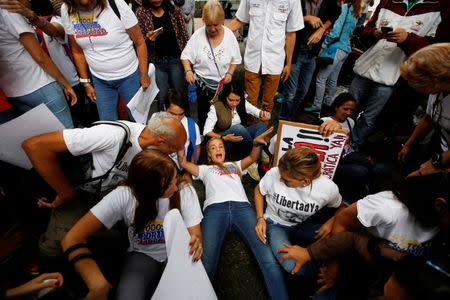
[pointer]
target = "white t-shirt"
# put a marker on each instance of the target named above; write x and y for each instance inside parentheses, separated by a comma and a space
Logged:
(120, 204)
(291, 206)
(269, 21)
(198, 52)
(441, 114)
(222, 185)
(105, 42)
(59, 55)
(19, 74)
(387, 218)
(211, 119)
(104, 142)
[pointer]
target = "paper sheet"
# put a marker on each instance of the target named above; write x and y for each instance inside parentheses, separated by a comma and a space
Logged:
(140, 104)
(36, 121)
(182, 278)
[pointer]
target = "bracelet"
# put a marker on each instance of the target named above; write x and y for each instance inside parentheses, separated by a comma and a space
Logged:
(81, 256)
(231, 74)
(257, 219)
(73, 248)
(145, 75)
(256, 144)
(185, 72)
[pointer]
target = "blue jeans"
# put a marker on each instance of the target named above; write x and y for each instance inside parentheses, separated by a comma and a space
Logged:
(169, 74)
(328, 75)
(371, 98)
(248, 133)
(108, 92)
(278, 235)
(297, 85)
(52, 96)
(240, 217)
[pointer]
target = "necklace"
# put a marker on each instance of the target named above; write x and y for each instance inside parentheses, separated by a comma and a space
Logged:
(89, 31)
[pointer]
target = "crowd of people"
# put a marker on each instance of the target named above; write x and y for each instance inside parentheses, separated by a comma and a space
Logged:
(384, 217)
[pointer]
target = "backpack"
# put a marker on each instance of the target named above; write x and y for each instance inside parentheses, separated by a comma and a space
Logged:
(79, 168)
(192, 148)
(113, 5)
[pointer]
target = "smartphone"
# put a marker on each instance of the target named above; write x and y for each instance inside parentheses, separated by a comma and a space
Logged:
(386, 29)
(160, 29)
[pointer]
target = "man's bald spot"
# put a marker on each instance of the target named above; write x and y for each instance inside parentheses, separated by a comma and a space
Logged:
(180, 135)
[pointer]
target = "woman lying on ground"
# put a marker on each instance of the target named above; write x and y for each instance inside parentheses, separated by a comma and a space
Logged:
(227, 209)
(142, 206)
(294, 192)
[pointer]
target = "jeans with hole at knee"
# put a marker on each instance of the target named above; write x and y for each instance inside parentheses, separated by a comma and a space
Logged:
(169, 74)
(278, 235)
(52, 95)
(371, 98)
(297, 85)
(248, 133)
(140, 277)
(328, 75)
(239, 217)
(109, 91)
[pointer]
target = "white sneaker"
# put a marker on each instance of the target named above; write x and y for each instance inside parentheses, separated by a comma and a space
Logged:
(253, 172)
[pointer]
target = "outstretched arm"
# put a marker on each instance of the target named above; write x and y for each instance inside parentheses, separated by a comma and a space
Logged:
(260, 140)
(43, 150)
(87, 268)
(187, 165)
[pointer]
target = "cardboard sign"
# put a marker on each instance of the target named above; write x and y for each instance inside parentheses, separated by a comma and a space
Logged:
(329, 149)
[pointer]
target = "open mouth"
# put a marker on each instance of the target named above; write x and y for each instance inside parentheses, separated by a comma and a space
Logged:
(219, 156)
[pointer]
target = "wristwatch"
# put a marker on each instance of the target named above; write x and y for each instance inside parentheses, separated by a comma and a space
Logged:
(85, 80)
(436, 161)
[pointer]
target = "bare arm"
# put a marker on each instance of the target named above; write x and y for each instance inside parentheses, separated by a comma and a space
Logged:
(31, 44)
(87, 268)
(141, 51)
(261, 225)
(235, 24)
(345, 219)
(289, 49)
(187, 165)
(189, 75)
(82, 66)
(422, 129)
(20, 7)
(262, 139)
(43, 150)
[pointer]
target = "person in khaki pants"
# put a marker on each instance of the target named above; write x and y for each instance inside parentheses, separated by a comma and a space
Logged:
(270, 44)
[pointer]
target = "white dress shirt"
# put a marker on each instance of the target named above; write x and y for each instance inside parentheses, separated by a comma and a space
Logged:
(269, 21)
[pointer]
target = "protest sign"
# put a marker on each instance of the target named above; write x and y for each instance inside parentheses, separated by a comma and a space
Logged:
(329, 149)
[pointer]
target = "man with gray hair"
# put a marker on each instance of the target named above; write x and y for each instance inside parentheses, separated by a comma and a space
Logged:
(163, 132)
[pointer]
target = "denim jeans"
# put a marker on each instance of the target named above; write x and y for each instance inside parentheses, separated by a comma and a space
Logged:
(328, 75)
(248, 133)
(169, 74)
(239, 217)
(52, 96)
(140, 277)
(108, 92)
(371, 98)
(278, 235)
(297, 85)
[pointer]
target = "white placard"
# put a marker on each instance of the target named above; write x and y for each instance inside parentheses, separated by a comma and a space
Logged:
(328, 149)
(182, 278)
(140, 104)
(36, 121)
